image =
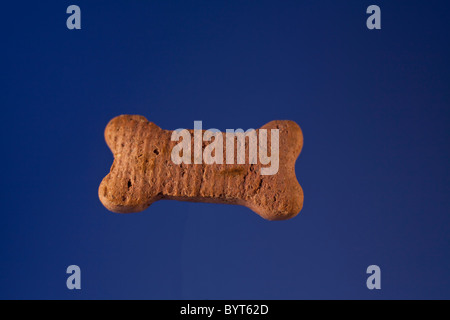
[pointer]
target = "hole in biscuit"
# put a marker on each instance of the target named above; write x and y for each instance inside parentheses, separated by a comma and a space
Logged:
(129, 184)
(156, 151)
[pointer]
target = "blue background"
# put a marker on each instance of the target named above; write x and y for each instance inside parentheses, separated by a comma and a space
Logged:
(374, 107)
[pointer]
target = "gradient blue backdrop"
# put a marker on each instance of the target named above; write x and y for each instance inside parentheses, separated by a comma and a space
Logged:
(374, 108)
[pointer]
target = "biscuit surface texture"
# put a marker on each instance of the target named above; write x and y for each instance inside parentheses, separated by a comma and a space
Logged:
(143, 172)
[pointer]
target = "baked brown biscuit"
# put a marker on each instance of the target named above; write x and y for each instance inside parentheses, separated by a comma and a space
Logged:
(143, 172)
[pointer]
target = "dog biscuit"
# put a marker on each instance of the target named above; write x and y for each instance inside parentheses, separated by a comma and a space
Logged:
(143, 172)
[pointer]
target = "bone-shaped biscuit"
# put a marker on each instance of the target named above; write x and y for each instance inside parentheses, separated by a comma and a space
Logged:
(143, 172)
